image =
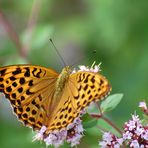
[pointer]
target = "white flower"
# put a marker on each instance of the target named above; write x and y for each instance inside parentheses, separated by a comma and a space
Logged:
(141, 146)
(72, 134)
(127, 135)
(39, 135)
(107, 136)
(75, 139)
(131, 125)
(136, 118)
(103, 144)
(56, 138)
(139, 130)
(138, 137)
(50, 139)
(120, 140)
(110, 140)
(117, 145)
(83, 68)
(94, 68)
(145, 135)
(79, 128)
(134, 144)
(75, 132)
(143, 105)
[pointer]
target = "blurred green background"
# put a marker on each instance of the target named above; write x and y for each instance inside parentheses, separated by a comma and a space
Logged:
(116, 29)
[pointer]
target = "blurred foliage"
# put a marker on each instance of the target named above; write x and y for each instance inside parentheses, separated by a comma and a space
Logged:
(116, 29)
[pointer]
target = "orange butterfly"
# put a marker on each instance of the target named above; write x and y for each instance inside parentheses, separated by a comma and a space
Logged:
(42, 97)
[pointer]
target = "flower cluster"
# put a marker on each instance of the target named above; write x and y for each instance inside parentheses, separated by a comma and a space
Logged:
(72, 134)
(94, 68)
(135, 135)
(110, 141)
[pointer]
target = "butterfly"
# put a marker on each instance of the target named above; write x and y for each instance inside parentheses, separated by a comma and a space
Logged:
(42, 97)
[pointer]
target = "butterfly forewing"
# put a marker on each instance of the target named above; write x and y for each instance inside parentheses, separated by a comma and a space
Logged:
(30, 90)
(89, 87)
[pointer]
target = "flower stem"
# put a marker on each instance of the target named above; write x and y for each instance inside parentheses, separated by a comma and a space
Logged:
(111, 124)
(106, 120)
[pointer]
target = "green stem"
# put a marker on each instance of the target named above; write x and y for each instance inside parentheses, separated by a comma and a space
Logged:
(108, 121)
(111, 124)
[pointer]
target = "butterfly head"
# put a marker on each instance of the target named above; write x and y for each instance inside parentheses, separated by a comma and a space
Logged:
(67, 70)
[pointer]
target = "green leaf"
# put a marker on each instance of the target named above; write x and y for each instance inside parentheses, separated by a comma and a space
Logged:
(89, 124)
(88, 121)
(111, 102)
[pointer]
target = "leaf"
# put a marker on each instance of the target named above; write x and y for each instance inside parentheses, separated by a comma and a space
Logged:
(111, 102)
(88, 122)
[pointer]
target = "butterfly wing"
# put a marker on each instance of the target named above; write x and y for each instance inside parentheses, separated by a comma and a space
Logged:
(81, 89)
(87, 87)
(30, 90)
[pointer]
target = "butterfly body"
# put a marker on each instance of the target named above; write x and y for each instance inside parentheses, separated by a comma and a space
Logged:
(61, 80)
(42, 97)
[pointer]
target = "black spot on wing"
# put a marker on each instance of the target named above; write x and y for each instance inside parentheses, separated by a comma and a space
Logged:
(86, 87)
(33, 72)
(20, 90)
(14, 84)
(9, 89)
(34, 112)
(13, 95)
(28, 92)
(22, 80)
(76, 97)
(30, 83)
(12, 78)
(93, 79)
(2, 85)
(27, 73)
(93, 86)
(22, 98)
(17, 71)
(86, 79)
(2, 72)
(1, 79)
(38, 74)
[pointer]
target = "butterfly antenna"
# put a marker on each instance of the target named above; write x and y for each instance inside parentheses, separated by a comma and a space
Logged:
(57, 51)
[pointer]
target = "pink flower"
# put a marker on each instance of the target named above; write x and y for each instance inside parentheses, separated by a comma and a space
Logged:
(40, 134)
(134, 144)
(75, 133)
(72, 134)
(110, 140)
(143, 106)
(56, 138)
(135, 134)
